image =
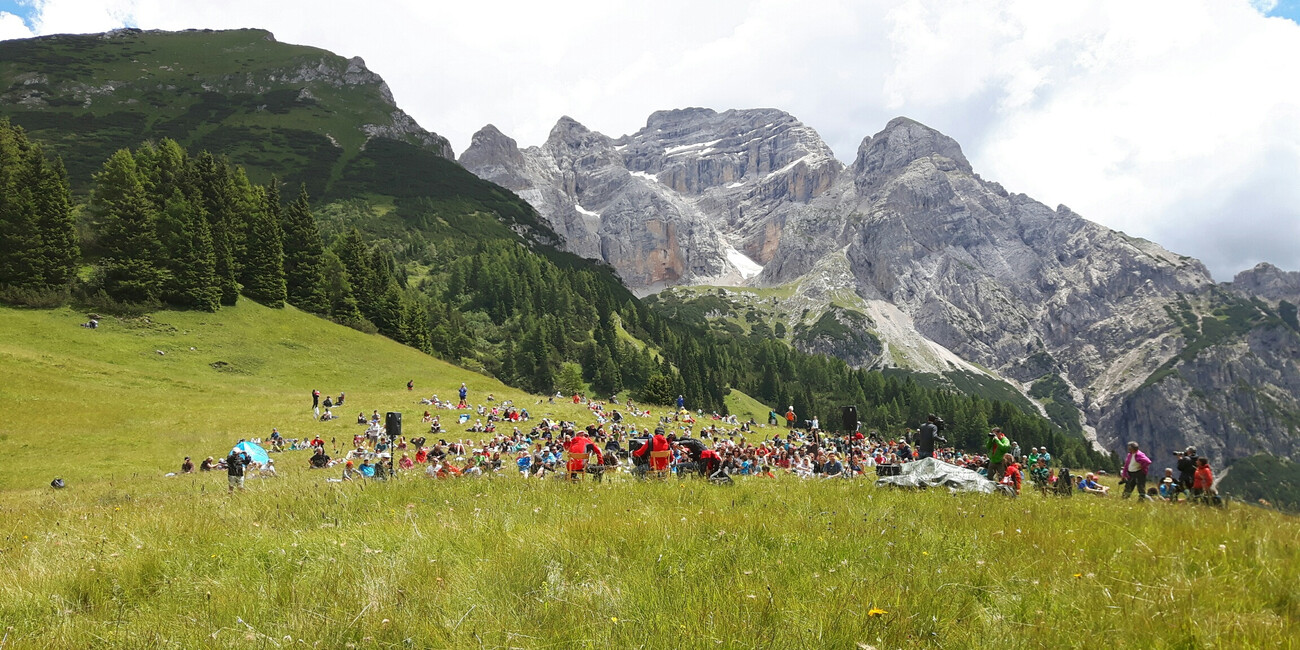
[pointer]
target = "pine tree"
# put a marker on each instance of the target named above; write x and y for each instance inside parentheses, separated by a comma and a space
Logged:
(217, 193)
(191, 277)
(128, 234)
(264, 270)
(338, 291)
(354, 253)
(303, 257)
(59, 252)
(19, 236)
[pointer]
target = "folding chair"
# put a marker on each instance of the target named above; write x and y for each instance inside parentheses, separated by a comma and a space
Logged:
(659, 461)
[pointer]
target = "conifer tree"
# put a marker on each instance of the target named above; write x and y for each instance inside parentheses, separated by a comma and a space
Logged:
(341, 303)
(354, 253)
(128, 234)
(19, 238)
(264, 268)
(303, 257)
(216, 191)
(191, 277)
(59, 251)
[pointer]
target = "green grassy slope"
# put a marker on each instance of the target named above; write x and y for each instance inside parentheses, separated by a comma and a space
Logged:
(298, 562)
(127, 558)
(91, 404)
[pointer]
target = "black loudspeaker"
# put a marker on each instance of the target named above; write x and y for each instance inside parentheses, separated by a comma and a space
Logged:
(849, 415)
(393, 424)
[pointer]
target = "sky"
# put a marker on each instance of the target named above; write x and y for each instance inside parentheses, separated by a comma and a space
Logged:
(1173, 120)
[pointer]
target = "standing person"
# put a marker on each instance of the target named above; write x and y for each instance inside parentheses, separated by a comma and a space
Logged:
(315, 403)
(681, 402)
(998, 447)
(235, 464)
(1203, 480)
(1134, 471)
(1186, 470)
(789, 417)
(927, 436)
(464, 393)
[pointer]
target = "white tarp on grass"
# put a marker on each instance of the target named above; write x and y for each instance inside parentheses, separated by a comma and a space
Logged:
(930, 472)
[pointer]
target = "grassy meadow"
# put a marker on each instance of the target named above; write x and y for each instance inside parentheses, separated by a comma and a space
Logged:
(127, 558)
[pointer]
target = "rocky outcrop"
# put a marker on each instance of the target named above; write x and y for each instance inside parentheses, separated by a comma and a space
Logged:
(908, 258)
(1268, 282)
(694, 197)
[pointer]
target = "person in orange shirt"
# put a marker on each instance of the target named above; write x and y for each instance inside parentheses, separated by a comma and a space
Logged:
(789, 418)
(1202, 480)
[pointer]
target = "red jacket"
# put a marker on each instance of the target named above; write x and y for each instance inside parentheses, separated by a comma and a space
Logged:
(656, 443)
(1203, 479)
(712, 461)
(583, 445)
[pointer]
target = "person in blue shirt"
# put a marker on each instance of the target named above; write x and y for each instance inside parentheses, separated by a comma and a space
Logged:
(524, 462)
(367, 470)
(681, 402)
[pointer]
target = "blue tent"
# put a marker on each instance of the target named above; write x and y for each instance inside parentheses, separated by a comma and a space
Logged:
(254, 452)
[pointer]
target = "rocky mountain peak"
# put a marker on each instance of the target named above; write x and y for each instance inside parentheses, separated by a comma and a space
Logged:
(1268, 282)
(495, 156)
(901, 142)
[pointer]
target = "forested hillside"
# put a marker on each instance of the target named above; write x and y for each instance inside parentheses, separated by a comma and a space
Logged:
(394, 238)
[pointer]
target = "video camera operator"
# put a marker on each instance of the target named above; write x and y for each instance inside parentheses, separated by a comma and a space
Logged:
(928, 435)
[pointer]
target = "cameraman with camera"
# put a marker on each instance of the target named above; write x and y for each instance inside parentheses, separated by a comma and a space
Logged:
(928, 435)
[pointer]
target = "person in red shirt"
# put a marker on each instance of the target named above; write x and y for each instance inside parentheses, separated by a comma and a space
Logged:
(789, 418)
(710, 462)
(1011, 475)
(582, 445)
(1202, 480)
(656, 443)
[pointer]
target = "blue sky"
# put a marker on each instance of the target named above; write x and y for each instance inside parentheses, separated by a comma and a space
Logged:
(10, 6)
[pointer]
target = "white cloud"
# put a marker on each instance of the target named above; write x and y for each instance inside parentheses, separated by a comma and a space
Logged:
(1175, 120)
(12, 26)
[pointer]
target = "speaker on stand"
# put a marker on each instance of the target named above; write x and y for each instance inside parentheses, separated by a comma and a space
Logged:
(849, 418)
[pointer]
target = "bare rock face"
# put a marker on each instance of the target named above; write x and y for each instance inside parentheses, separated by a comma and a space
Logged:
(1268, 282)
(695, 197)
(908, 258)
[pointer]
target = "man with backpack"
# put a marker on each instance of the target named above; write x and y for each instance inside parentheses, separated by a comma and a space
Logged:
(235, 464)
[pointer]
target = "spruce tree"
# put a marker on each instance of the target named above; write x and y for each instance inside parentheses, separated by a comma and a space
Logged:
(127, 232)
(19, 237)
(55, 226)
(303, 259)
(354, 253)
(217, 193)
(264, 267)
(341, 303)
(191, 277)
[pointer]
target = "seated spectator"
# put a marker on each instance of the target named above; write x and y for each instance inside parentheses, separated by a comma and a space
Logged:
(187, 467)
(1090, 485)
(361, 417)
(207, 465)
(318, 459)
(405, 462)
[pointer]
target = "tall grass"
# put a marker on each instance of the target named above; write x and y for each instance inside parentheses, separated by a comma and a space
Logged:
(508, 562)
(127, 558)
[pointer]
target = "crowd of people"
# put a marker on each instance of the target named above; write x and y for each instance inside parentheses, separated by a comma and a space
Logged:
(624, 437)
